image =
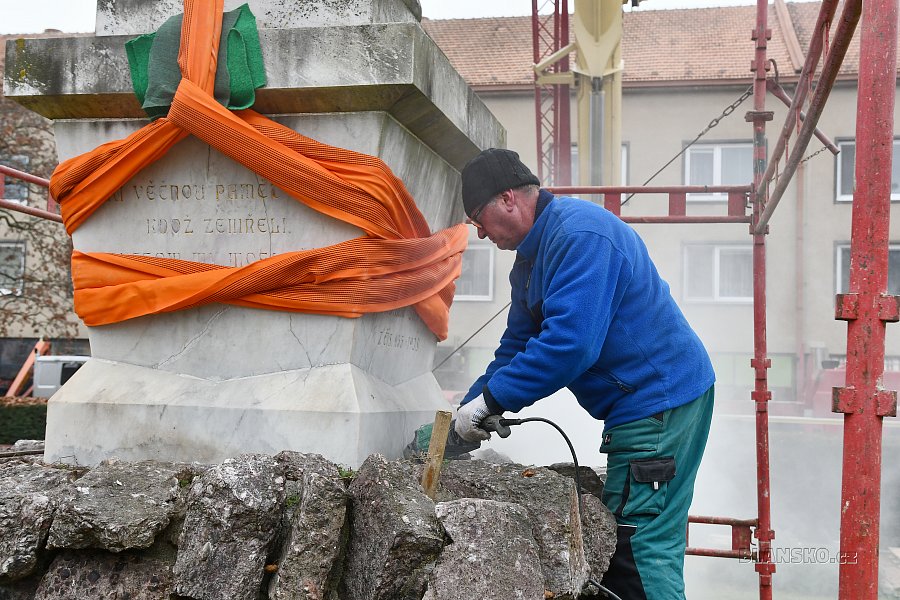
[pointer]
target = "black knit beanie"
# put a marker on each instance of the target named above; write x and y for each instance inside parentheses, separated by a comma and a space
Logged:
(491, 172)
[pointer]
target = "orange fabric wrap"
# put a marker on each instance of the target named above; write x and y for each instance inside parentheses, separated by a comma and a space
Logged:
(398, 263)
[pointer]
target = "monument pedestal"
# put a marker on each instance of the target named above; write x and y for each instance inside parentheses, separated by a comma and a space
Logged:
(339, 411)
(208, 383)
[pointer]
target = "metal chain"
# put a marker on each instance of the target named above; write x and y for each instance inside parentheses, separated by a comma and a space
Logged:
(816, 153)
(728, 110)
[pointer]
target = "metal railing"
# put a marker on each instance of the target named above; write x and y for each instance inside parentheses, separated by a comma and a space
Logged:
(23, 208)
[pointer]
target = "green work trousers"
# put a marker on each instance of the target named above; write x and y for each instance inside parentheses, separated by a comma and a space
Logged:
(650, 471)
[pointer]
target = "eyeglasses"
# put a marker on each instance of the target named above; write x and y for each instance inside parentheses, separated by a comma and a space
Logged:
(476, 213)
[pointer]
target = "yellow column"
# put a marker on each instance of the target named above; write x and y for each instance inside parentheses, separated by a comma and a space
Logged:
(598, 40)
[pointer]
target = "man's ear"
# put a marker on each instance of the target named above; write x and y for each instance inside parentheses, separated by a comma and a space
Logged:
(508, 199)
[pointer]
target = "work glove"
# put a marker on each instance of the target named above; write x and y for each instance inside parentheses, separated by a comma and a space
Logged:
(469, 417)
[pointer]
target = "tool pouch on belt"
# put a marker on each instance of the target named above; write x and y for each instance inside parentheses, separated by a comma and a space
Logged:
(645, 487)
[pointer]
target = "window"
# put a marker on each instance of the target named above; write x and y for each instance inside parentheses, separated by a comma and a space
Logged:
(842, 268)
(718, 164)
(12, 268)
(718, 272)
(846, 165)
(14, 189)
(476, 282)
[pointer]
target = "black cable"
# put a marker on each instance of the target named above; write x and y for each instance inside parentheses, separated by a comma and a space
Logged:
(508, 422)
(605, 590)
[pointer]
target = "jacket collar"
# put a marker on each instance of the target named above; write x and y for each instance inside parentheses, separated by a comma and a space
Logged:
(529, 246)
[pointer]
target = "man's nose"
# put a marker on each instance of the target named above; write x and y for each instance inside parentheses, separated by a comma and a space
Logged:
(481, 233)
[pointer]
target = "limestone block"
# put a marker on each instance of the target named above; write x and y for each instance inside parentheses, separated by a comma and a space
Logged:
(394, 68)
(571, 550)
(232, 513)
(132, 17)
(118, 506)
(99, 574)
(296, 467)
(591, 481)
(312, 534)
(310, 558)
(492, 554)
(395, 538)
(29, 495)
(28, 445)
(335, 410)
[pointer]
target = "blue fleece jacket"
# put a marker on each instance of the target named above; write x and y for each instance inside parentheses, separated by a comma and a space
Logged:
(590, 312)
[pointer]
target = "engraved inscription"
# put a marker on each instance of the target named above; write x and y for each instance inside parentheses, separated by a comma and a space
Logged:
(198, 205)
(386, 339)
(240, 259)
(230, 224)
(168, 191)
(246, 191)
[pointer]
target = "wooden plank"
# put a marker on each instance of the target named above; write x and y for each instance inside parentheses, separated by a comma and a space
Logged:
(436, 447)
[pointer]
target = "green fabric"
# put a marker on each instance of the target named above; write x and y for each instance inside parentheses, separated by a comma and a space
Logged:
(456, 447)
(657, 513)
(423, 438)
(155, 75)
(244, 60)
(138, 52)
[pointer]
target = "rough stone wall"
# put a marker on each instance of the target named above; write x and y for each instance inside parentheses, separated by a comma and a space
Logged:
(295, 526)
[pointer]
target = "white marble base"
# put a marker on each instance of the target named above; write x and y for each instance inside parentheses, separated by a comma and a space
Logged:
(111, 409)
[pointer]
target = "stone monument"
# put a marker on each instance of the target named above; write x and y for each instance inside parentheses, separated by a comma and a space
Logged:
(212, 382)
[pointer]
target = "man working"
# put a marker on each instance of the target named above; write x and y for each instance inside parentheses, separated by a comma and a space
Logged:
(590, 312)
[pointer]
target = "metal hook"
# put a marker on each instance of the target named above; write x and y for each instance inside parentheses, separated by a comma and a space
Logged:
(775, 68)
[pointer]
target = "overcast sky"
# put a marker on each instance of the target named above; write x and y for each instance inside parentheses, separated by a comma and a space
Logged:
(34, 16)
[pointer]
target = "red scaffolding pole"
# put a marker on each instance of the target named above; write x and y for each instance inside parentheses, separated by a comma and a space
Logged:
(760, 362)
(867, 307)
(833, 62)
(22, 208)
(550, 33)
